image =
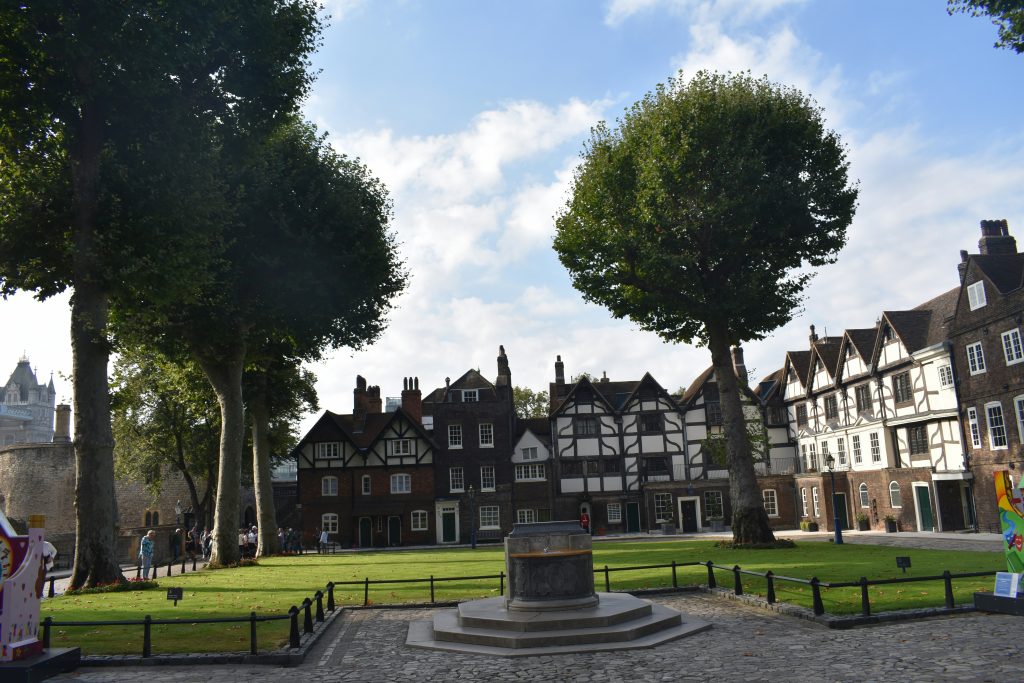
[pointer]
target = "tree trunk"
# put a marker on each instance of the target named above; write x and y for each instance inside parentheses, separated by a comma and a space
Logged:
(95, 502)
(749, 519)
(224, 371)
(266, 515)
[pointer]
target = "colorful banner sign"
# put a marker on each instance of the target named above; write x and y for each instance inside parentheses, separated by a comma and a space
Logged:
(1011, 518)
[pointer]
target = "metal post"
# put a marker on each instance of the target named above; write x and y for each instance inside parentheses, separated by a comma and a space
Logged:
(330, 596)
(193, 563)
(675, 581)
(307, 621)
(948, 578)
(431, 588)
(472, 518)
(829, 462)
(147, 638)
(865, 605)
(819, 607)
(47, 624)
(319, 605)
(293, 635)
(50, 593)
(607, 581)
(501, 583)
(169, 563)
(736, 580)
(770, 578)
(138, 572)
(711, 575)
(183, 560)
(252, 633)
(366, 591)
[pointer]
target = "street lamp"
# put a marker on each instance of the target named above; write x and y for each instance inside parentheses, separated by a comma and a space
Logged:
(830, 463)
(472, 517)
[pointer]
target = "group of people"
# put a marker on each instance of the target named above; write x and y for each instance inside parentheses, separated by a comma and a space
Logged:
(193, 544)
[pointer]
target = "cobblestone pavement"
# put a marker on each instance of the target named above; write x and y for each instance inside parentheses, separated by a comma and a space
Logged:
(745, 643)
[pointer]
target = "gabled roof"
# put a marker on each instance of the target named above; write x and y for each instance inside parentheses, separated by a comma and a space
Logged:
(606, 394)
(538, 426)
(345, 427)
(695, 386)
(471, 379)
(863, 340)
(827, 351)
(923, 326)
(770, 385)
(800, 362)
(942, 307)
(1005, 271)
(23, 375)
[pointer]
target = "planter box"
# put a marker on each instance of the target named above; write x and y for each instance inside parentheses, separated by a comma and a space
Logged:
(717, 524)
(668, 529)
(890, 526)
(809, 526)
(863, 525)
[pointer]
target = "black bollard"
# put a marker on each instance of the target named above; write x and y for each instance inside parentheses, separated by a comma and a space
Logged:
(293, 634)
(319, 606)
(330, 596)
(307, 622)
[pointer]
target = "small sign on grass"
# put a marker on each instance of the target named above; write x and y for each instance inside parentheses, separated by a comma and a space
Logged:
(175, 594)
(902, 562)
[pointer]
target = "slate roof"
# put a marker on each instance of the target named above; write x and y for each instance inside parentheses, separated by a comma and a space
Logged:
(863, 340)
(770, 384)
(1006, 271)
(694, 388)
(345, 424)
(23, 375)
(801, 362)
(540, 426)
(827, 349)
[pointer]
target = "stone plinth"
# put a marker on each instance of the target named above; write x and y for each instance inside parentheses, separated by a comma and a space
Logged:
(550, 567)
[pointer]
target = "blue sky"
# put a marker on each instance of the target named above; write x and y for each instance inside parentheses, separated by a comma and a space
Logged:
(474, 115)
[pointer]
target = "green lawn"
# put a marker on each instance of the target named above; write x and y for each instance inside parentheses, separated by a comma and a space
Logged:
(284, 581)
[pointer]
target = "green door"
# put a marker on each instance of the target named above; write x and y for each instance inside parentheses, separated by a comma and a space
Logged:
(365, 532)
(394, 530)
(632, 518)
(448, 526)
(844, 521)
(924, 506)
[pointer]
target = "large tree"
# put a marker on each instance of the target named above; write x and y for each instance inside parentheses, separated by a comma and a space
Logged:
(530, 403)
(105, 114)
(310, 264)
(697, 217)
(1007, 15)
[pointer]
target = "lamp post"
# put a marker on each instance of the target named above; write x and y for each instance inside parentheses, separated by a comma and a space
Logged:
(472, 517)
(830, 464)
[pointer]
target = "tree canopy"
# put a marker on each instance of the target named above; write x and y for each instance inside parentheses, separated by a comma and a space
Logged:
(1007, 15)
(530, 403)
(697, 216)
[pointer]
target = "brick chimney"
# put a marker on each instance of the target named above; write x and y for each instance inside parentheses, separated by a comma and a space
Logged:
(360, 403)
(412, 399)
(374, 404)
(996, 238)
(504, 373)
(62, 426)
(962, 266)
(738, 365)
(559, 371)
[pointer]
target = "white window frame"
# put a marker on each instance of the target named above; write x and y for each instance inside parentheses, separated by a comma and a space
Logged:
(714, 501)
(803, 501)
(614, 513)
(824, 453)
(485, 430)
(974, 427)
(945, 376)
(771, 502)
(489, 517)
(662, 507)
(857, 459)
(531, 472)
(876, 447)
(813, 455)
(530, 453)
(1012, 349)
(814, 497)
(862, 492)
(470, 395)
(419, 520)
(1018, 410)
(897, 501)
(401, 447)
(328, 450)
(975, 358)
(526, 516)
(329, 522)
(841, 451)
(487, 478)
(401, 483)
(329, 486)
(976, 295)
(366, 485)
(997, 426)
(456, 479)
(454, 436)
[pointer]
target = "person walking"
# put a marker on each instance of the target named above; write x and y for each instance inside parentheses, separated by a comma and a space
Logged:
(323, 541)
(175, 543)
(146, 547)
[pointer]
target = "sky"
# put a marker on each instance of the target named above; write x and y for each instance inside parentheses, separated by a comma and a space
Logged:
(474, 114)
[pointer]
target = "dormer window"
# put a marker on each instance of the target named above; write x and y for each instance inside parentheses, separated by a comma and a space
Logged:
(470, 395)
(976, 295)
(887, 335)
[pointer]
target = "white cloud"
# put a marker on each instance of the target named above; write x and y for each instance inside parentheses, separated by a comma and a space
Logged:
(339, 10)
(700, 11)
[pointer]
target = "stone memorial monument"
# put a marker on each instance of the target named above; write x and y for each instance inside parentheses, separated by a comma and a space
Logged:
(551, 607)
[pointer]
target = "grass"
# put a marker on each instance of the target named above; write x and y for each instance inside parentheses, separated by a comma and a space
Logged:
(279, 582)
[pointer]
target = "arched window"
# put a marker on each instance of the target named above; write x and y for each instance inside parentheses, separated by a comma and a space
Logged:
(148, 520)
(895, 499)
(864, 495)
(329, 486)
